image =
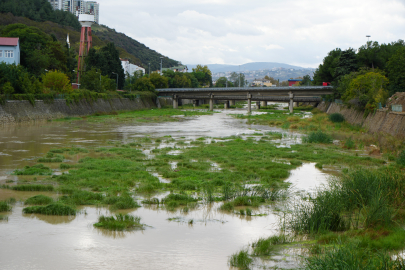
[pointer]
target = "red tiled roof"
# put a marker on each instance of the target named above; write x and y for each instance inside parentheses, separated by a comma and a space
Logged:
(5, 41)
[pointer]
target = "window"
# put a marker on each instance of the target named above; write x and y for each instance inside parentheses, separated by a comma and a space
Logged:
(1, 53)
(9, 54)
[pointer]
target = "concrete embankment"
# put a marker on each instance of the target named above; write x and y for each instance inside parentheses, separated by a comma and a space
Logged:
(20, 111)
(381, 121)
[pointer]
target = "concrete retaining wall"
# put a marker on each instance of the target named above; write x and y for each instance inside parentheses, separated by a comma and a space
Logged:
(13, 112)
(382, 121)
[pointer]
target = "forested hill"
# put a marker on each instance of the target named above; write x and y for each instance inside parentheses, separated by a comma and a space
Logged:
(145, 54)
(39, 13)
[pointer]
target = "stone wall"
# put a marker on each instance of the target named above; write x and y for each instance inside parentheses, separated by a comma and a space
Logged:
(13, 111)
(382, 121)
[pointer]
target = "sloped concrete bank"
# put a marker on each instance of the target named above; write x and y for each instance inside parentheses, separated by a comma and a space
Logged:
(382, 121)
(14, 112)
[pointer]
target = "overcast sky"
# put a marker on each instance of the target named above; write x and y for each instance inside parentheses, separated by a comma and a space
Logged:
(296, 32)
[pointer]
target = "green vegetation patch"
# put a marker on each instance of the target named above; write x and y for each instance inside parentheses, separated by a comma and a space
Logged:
(317, 137)
(124, 201)
(119, 222)
(5, 206)
(54, 209)
(336, 118)
(38, 169)
(29, 187)
(241, 260)
(39, 200)
(266, 246)
(82, 197)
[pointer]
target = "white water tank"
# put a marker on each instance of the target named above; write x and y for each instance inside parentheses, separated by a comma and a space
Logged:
(86, 20)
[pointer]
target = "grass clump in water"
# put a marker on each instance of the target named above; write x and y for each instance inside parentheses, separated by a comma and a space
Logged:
(82, 197)
(38, 169)
(54, 209)
(265, 246)
(241, 260)
(33, 188)
(119, 222)
(121, 202)
(39, 200)
(336, 118)
(5, 206)
(352, 257)
(175, 200)
(317, 137)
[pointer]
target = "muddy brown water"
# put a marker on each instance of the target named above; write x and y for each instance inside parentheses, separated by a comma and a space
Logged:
(49, 242)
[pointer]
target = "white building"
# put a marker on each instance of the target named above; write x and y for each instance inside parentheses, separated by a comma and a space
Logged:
(129, 68)
(78, 7)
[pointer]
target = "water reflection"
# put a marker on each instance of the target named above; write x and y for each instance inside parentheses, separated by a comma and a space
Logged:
(54, 220)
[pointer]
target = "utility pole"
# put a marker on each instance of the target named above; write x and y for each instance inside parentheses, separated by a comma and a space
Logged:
(149, 69)
(161, 65)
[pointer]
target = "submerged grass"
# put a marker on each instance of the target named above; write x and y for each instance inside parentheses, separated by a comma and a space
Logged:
(241, 260)
(265, 246)
(54, 209)
(38, 169)
(119, 222)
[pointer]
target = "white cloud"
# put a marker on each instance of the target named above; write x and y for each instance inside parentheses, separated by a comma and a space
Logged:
(236, 31)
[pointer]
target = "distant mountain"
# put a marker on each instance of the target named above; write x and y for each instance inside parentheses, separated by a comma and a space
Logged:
(215, 68)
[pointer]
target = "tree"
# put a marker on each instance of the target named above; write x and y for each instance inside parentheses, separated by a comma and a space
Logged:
(108, 61)
(237, 78)
(306, 81)
(326, 71)
(93, 80)
(7, 89)
(159, 81)
(57, 81)
(396, 71)
(223, 82)
(144, 84)
(207, 78)
(19, 78)
(272, 80)
(370, 89)
(347, 63)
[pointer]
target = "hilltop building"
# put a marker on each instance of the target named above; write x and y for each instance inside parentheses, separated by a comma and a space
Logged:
(291, 82)
(78, 7)
(129, 68)
(181, 68)
(262, 82)
(10, 50)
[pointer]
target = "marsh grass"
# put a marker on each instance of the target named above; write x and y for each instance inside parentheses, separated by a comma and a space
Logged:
(29, 187)
(38, 169)
(5, 206)
(39, 200)
(124, 201)
(175, 200)
(265, 246)
(119, 222)
(241, 260)
(54, 209)
(351, 257)
(82, 197)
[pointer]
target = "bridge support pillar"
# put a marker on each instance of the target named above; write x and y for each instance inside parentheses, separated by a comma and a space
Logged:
(232, 103)
(291, 102)
(263, 103)
(258, 104)
(175, 102)
(249, 96)
(211, 103)
(226, 105)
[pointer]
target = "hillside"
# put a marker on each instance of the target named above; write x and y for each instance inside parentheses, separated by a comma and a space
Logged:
(129, 48)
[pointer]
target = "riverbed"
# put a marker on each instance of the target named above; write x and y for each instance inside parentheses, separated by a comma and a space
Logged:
(52, 242)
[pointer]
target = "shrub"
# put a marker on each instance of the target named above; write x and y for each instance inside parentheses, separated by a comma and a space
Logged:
(317, 137)
(336, 118)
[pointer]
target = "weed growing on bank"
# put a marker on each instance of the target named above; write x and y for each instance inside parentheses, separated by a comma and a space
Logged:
(119, 222)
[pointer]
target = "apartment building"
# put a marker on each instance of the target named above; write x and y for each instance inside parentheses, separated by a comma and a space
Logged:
(78, 7)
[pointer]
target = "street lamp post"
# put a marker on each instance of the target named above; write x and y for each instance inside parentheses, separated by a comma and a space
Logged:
(117, 79)
(161, 65)
(149, 69)
(368, 36)
(239, 75)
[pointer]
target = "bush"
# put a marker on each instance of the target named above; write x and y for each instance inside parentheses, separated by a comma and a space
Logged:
(401, 159)
(317, 137)
(336, 118)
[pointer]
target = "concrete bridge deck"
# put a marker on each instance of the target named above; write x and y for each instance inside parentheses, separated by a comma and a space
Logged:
(263, 94)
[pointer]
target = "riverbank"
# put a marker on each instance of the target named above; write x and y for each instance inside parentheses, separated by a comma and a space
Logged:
(392, 123)
(22, 111)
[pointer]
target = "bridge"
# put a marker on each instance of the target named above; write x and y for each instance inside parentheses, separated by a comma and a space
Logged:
(258, 94)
